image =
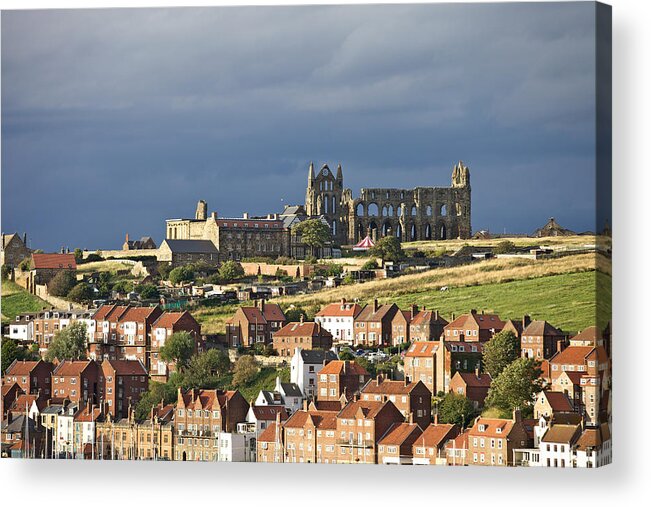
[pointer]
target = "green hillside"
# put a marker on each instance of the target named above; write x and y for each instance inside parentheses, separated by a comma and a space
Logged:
(16, 300)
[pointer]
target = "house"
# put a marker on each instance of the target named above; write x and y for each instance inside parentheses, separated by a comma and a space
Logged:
(259, 417)
(589, 337)
(79, 381)
(134, 331)
(360, 426)
(550, 403)
(28, 404)
(155, 439)
(569, 383)
(164, 327)
(429, 447)
(339, 378)
(339, 320)
(473, 327)
(557, 443)
(306, 335)
(310, 436)
(420, 364)
(180, 252)
(287, 394)
(21, 437)
(125, 382)
(517, 326)
(540, 340)
(374, 325)
(473, 386)
(144, 243)
(64, 436)
(305, 367)
(270, 446)
(44, 267)
(492, 441)
(104, 343)
(9, 394)
(454, 356)
(50, 420)
(396, 446)
(31, 376)
(84, 421)
(201, 415)
(251, 325)
(593, 448)
(457, 450)
(22, 328)
(13, 250)
(426, 325)
(413, 399)
(591, 360)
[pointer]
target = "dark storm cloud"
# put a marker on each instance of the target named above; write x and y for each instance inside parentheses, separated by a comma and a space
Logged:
(113, 120)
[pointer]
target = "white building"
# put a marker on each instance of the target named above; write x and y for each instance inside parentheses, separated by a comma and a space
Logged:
(305, 366)
(237, 447)
(556, 445)
(339, 320)
(65, 432)
(260, 416)
(22, 328)
(593, 449)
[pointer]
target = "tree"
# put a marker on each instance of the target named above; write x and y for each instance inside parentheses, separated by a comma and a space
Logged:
(370, 264)
(156, 393)
(147, 291)
(79, 255)
(10, 352)
(504, 247)
(178, 349)
(62, 283)
(346, 355)
(181, 274)
(388, 249)
(6, 271)
(516, 386)
(69, 343)
(456, 409)
(164, 269)
(314, 233)
(204, 370)
(81, 293)
(295, 313)
(500, 351)
(231, 270)
(246, 368)
(123, 286)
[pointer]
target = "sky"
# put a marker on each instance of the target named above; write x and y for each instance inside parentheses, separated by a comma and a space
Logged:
(114, 120)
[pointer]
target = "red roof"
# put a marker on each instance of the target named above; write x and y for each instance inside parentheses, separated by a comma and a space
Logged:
(54, 261)
(422, 349)
(559, 402)
(21, 368)
(401, 433)
(435, 435)
(483, 320)
(472, 380)
(342, 309)
(310, 329)
(571, 355)
(269, 412)
(343, 368)
(137, 314)
(427, 316)
(71, 368)
(126, 366)
(168, 319)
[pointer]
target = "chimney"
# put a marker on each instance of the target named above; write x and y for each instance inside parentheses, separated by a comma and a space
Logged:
(375, 305)
(410, 417)
(378, 379)
(517, 415)
(245, 215)
(452, 317)
(214, 215)
(305, 404)
(414, 310)
(477, 372)
(262, 305)
(126, 237)
(25, 239)
(301, 318)
(559, 346)
(526, 320)
(473, 312)
(436, 315)
(436, 417)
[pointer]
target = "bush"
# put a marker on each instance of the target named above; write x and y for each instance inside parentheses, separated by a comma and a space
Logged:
(6, 271)
(370, 264)
(25, 264)
(181, 274)
(62, 283)
(231, 270)
(164, 269)
(147, 291)
(94, 258)
(504, 247)
(81, 293)
(246, 368)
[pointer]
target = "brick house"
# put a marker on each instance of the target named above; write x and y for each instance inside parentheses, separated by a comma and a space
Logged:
(79, 381)
(254, 324)
(456, 356)
(305, 367)
(310, 437)
(374, 325)
(551, 403)
(413, 399)
(492, 441)
(429, 447)
(360, 426)
(270, 446)
(400, 326)
(104, 342)
(44, 267)
(420, 364)
(517, 326)
(396, 446)
(339, 319)
(590, 360)
(164, 327)
(456, 450)
(473, 327)
(473, 386)
(540, 340)
(125, 381)
(10, 392)
(134, 331)
(426, 325)
(305, 335)
(201, 415)
(339, 378)
(569, 383)
(155, 435)
(14, 250)
(30, 376)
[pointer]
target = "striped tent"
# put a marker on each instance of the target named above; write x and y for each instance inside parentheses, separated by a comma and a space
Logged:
(365, 244)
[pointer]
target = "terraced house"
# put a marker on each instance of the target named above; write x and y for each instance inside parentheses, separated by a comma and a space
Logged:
(251, 325)
(201, 416)
(310, 436)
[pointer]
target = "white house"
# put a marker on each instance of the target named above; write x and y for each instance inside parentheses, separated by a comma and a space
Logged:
(593, 449)
(22, 328)
(260, 417)
(305, 367)
(556, 445)
(237, 447)
(286, 394)
(65, 432)
(339, 319)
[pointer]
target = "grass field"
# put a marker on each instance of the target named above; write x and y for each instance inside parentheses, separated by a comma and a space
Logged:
(560, 290)
(16, 300)
(112, 266)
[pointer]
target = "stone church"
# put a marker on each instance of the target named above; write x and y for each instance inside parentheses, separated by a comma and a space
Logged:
(422, 213)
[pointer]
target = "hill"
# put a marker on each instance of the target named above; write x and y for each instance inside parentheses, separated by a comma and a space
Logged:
(16, 300)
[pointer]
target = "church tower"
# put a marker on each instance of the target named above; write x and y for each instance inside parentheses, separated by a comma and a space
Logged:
(461, 197)
(323, 197)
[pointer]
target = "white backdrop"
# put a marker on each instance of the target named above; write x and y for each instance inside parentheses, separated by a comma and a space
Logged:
(625, 482)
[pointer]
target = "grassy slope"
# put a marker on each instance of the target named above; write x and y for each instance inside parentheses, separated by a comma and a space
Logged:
(16, 300)
(561, 291)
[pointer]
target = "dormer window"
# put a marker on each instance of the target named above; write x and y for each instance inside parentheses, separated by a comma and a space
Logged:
(482, 427)
(498, 430)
